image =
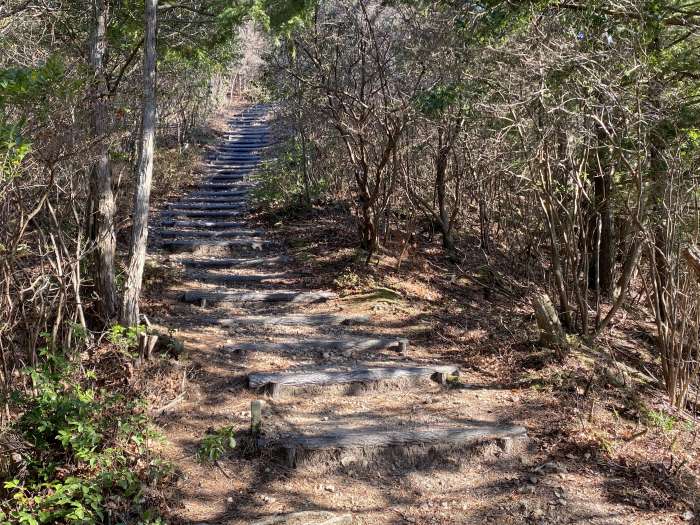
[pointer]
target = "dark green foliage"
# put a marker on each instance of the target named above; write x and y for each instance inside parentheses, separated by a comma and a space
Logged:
(87, 457)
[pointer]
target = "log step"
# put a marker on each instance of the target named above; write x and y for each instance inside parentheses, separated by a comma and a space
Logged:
(353, 375)
(221, 186)
(295, 320)
(208, 205)
(227, 278)
(298, 445)
(308, 517)
(347, 346)
(226, 234)
(202, 224)
(272, 296)
(202, 213)
(196, 244)
(224, 198)
(224, 193)
(239, 262)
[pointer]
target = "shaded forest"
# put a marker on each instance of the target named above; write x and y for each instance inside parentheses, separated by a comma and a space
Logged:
(550, 148)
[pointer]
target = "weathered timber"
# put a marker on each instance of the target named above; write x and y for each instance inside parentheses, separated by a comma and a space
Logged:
(208, 205)
(347, 346)
(194, 244)
(235, 262)
(203, 213)
(226, 234)
(202, 224)
(220, 186)
(266, 296)
(310, 517)
(236, 198)
(353, 375)
(295, 320)
(256, 416)
(223, 193)
(297, 445)
(226, 278)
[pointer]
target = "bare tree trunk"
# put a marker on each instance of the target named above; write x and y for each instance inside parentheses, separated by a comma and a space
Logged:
(440, 186)
(101, 174)
(139, 232)
(602, 261)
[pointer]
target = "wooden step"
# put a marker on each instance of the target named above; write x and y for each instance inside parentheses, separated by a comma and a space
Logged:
(235, 263)
(203, 213)
(228, 278)
(409, 441)
(223, 193)
(295, 320)
(231, 199)
(207, 206)
(308, 517)
(226, 234)
(202, 224)
(266, 296)
(327, 376)
(200, 244)
(220, 186)
(347, 346)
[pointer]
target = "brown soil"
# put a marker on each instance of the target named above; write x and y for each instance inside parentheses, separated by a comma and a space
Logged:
(603, 446)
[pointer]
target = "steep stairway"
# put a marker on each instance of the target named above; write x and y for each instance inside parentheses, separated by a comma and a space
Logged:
(327, 374)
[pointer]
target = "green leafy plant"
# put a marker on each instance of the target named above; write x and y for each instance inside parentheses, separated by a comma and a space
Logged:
(216, 444)
(660, 419)
(125, 338)
(84, 447)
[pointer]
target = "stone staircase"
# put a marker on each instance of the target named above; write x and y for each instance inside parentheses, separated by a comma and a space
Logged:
(329, 396)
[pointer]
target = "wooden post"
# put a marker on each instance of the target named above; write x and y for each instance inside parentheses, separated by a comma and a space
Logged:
(147, 343)
(403, 346)
(256, 417)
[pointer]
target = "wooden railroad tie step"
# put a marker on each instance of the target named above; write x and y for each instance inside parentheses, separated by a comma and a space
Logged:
(208, 206)
(202, 224)
(235, 262)
(230, 234)
(226, 278)
(296, 446)
(195, 244)
(203, 213)
(226, 198)
(295, 320)
(267, 296)
(325, 376)
(347, 346)
(310, 517)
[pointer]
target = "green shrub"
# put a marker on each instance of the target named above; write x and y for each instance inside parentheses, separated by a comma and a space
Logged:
(280, 184)
(87, 456)
(216, 444)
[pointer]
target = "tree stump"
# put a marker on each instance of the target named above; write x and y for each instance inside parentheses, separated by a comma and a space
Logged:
(551, 332)
(147, 343)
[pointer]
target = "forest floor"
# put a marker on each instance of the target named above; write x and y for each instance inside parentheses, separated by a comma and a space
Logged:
(604, 446)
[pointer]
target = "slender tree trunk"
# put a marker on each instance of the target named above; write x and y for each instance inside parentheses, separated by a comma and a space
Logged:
(101, 174)
(440, 186)
(602, 259)
(139, 232)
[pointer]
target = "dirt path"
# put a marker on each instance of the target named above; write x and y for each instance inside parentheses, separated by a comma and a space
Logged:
(357, 420)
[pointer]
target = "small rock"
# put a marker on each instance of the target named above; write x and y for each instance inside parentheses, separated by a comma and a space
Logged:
(229, 499)
(688, 515)
(330, 488)
(527, 489)
(533, 479)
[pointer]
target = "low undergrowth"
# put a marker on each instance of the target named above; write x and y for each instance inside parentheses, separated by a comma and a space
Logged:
(76, 452)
